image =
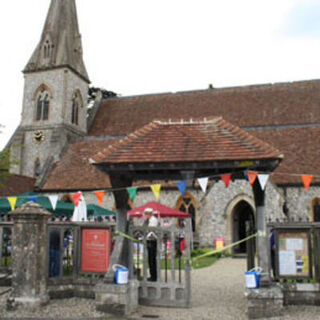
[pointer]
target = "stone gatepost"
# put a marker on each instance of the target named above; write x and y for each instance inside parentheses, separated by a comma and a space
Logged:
(29, 257)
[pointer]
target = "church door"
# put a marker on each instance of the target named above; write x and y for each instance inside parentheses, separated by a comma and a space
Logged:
(243, 225)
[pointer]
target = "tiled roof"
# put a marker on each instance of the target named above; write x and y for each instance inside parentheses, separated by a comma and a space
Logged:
(15, 184)
(259, 105)
(300, 147)
(74, 171)
(196, 140)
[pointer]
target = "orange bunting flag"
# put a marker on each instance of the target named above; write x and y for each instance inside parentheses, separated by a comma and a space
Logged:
(156, 190)
(76, 198)
(99, 195)
(252, 175)
(12, 201)
(306, 179)
(226, 179)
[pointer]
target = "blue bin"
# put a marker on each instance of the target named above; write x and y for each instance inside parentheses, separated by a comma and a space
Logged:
(252, 279)
(121, 275)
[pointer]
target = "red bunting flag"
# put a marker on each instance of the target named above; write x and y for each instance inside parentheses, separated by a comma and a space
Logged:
(252, 175)
(306, 179)
(226, 179)
(76, 198)
(99, 195)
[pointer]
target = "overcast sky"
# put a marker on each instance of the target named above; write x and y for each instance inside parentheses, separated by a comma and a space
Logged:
(148, 46)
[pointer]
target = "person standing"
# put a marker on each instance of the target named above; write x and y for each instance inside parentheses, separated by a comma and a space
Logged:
(151, 221)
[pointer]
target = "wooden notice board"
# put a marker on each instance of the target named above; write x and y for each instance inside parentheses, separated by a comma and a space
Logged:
(95, 250)
(293, 254)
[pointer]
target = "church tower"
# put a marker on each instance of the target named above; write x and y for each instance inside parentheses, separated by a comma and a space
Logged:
(54, 108)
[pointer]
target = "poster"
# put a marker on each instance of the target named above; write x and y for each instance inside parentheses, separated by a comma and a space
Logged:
(95, 250)
(293, 254)
(287, 262)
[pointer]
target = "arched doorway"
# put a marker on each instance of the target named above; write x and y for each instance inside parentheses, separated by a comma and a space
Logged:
(243, 225)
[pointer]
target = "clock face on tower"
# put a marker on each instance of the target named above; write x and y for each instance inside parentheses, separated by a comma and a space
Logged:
(38, 137)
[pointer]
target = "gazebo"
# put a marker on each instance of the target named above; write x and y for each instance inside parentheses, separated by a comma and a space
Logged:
(186, 150)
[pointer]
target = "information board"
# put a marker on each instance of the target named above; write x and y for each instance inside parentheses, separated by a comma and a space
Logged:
(293, 254)
(95, 250)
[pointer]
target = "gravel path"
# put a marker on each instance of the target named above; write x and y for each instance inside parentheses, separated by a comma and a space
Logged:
(217, 293)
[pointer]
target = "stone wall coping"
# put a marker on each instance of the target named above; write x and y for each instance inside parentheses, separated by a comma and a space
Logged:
(30, 208)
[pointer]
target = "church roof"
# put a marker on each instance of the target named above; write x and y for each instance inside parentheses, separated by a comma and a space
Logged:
(74, 171)
(196, 140)
(15, 184)
(60, 44)
(248, 106)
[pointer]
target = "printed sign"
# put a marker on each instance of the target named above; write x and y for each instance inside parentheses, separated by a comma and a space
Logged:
(95, 250)
(293, 254)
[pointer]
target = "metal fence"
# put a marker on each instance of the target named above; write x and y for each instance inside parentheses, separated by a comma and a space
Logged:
(6, 227)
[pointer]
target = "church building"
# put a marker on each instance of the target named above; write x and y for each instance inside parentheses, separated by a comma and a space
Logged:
(56, 138)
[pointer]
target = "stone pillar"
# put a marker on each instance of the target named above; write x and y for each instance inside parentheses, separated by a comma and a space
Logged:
(29, 257)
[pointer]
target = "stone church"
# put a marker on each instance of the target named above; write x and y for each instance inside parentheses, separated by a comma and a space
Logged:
(56, 137)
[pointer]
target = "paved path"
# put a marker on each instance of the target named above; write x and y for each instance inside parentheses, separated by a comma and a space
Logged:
(218, 293)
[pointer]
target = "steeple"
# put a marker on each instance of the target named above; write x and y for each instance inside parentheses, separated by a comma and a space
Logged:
(60, 43)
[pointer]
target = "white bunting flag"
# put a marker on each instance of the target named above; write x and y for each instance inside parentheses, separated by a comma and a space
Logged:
(203, 183)
(263, 179)
(53, 201)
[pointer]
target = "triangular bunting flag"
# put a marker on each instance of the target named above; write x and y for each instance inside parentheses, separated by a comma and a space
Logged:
(32, 198)
(226, 179)
(306, 179)
(182, 186)
(252, 175)
(132, 192)
(76, 198)
(53, 200)
(203, 183)
(246, 176)
(156, 190)
(99, 195)
(12, 201)
(263, 179)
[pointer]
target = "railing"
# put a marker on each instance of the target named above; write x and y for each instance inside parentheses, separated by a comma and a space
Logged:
(6, 227)
(64, 250)
(160, 262)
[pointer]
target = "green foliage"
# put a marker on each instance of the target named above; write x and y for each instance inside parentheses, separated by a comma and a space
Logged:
(93, 91)
(4, 165)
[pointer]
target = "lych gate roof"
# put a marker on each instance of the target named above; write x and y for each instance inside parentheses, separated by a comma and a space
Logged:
(197, 140)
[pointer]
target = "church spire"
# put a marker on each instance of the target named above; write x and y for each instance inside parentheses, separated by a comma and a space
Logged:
(60, 43)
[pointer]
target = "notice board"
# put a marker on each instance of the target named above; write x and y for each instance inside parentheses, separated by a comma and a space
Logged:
(293, 254)
(95, 250)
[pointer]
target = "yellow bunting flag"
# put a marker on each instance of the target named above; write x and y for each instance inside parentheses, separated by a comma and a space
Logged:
(306, 179)
(99, 195)
(12, 201)
(252, 175)
(156, 190)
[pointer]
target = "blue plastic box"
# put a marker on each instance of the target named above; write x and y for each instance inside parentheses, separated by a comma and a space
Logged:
(252, 279)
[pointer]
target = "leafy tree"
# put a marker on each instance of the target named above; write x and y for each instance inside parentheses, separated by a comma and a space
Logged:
(4, 164)
(92, 94)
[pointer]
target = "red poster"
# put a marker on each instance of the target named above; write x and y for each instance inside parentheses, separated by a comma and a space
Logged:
(95, 250)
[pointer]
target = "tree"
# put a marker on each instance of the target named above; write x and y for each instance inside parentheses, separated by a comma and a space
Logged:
(4, 164)
(92, 94)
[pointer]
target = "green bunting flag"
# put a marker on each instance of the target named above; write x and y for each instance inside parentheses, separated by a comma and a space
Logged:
(132, 192)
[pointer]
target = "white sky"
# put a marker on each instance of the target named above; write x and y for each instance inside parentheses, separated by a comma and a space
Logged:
(147, 46)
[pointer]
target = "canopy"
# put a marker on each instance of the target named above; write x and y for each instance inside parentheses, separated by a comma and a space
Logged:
(159, 210)
(65, 209)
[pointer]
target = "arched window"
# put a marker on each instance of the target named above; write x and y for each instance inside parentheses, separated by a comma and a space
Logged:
(187, 203)
(316, 209)
(76, 105)
(37, 168)
(43, 102)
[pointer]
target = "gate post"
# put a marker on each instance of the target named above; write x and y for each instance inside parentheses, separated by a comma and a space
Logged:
(29, 257)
